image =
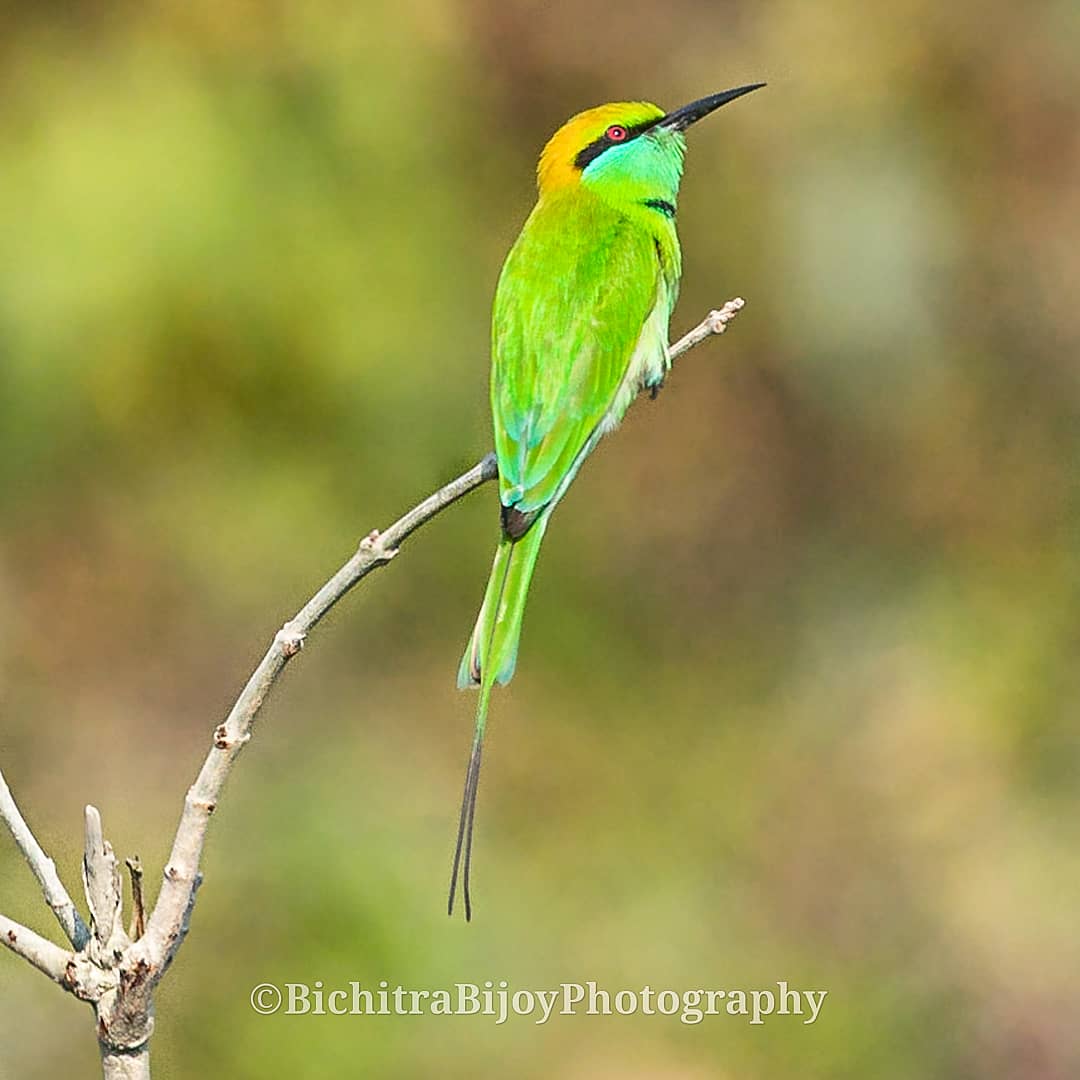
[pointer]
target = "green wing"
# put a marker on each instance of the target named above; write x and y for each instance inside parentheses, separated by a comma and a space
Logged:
(572, 299)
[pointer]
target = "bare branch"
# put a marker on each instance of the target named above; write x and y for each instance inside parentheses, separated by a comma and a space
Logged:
(716, 322)
(126, 1065)
(138, 911)
(42, 953)
(44, 869)
(163, 929)
(104, 893)
(110, 970)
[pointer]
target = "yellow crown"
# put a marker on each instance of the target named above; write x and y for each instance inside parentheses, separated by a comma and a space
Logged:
(557, 169)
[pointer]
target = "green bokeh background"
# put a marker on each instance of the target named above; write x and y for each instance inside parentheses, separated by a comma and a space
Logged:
(798, 688)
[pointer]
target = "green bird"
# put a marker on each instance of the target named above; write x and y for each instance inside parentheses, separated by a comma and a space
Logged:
(580, 326)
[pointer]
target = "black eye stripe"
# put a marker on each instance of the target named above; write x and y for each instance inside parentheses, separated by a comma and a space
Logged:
(598, 146)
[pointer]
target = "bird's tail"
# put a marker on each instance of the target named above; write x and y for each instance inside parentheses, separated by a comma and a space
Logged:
(492, 649)
(490, 658)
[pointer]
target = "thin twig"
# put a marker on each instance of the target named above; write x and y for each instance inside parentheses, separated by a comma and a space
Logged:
(138, 911)
(716, 322)
(104, 893)
(42, 953)
(44, 869)
(164, 925)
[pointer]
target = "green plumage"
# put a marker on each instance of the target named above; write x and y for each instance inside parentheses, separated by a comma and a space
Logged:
(580, 325)
(573, 298)
(572, 307)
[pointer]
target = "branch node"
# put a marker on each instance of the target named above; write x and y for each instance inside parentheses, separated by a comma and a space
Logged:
(223, 741)
(713, 323)
(290, 638)
(718, 320)
(372, 546)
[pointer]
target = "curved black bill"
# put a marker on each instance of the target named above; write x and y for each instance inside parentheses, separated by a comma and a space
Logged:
(682, 118)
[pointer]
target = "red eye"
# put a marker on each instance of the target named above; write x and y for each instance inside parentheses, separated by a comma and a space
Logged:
(616, 133)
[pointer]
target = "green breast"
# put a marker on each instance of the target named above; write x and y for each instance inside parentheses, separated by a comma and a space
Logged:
(573, 297)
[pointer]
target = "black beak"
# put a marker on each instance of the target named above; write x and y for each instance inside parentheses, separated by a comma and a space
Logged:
(682, 118)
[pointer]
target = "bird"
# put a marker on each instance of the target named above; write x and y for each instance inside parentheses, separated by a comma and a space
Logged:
(579, 328)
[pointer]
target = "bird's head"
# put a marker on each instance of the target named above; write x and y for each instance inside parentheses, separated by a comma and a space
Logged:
(629, 147)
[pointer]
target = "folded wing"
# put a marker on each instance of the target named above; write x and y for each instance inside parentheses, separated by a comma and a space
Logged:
(574, 295)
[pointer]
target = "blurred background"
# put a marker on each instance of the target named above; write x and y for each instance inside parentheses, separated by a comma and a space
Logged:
(798, 685)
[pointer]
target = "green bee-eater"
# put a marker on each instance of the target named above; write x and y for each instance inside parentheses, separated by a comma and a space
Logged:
(580, 326)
